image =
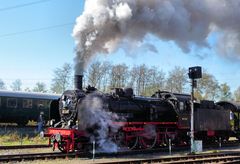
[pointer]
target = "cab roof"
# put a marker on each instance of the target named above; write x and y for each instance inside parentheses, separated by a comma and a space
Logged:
(233, 106)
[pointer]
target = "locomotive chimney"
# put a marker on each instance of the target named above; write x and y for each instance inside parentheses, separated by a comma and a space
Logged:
(78, 80)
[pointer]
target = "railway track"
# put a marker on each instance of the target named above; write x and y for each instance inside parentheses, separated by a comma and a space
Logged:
(203, 158)
(23, 147)
(227, 157)
(59, 155)
(164, 151)
(52, 155)
(41, 156)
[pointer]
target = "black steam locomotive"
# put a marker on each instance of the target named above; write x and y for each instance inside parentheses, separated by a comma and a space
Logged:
(121, 119)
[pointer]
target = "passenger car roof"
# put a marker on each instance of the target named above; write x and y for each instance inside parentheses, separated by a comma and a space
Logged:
(34, 95)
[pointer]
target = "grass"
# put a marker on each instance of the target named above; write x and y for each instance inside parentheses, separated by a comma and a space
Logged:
(18, 139)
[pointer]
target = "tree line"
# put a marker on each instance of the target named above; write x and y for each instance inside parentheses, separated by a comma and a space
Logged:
(146, 80)
(143, 79)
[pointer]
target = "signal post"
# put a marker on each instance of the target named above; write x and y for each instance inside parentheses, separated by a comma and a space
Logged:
(193, 73)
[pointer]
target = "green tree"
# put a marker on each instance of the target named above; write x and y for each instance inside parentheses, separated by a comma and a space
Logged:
(62, 78)
(208, 87)
(16, 85)
(40, 87)
(237, 94)
(225, 92)
(198, 95)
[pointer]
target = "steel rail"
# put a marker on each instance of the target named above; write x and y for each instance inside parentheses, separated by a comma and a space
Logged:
(44, 156)
(23, 147)
(216, 157)
(203, 158)
(37, 156)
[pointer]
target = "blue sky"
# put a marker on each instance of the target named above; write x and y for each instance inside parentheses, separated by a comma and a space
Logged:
(33, 56)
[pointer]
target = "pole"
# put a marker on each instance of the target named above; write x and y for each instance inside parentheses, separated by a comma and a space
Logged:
(194, 73)
(192, 118)
(21, 138)
(170, 146)
(93, 153)
(220, 142)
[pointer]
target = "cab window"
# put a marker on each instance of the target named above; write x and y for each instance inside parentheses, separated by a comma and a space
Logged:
(12, 103)
(27, 103)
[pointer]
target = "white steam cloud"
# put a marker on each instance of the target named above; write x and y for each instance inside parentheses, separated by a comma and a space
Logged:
(106, 25)
(98, 122)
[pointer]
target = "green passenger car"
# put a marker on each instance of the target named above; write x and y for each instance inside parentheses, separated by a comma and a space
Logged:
(21, 107)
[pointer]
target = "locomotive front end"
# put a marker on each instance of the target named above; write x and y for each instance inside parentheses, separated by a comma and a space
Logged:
(68, 106)
(63, 134)
(69, 101)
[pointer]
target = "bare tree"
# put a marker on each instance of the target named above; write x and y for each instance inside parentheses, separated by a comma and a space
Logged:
(93, 74)
(155, 80)
(40, 87)
(27, 89)
(133, 78)
(2, 85)
(106, 68)
(139, 79)
(119, 75)
(177, 80)
(62, 78)
(98, 74)
(16, 85)
(145, 81)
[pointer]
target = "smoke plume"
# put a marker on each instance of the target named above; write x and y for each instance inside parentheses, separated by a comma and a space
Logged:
(98, 123)
(106, 25)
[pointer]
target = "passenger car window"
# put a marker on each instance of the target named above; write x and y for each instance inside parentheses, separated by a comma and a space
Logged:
(12, 103)
(27, 103)
(43, 104)
(0, 102)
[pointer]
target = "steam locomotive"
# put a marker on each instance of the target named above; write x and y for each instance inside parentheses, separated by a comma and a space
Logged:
(120, 119)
